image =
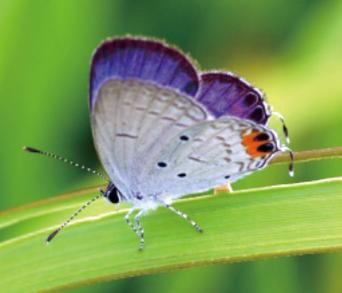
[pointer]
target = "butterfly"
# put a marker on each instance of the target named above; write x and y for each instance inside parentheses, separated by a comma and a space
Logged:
(163, 129)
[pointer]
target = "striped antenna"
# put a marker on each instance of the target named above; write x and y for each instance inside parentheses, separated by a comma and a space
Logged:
(64, 160)
(291, 164)
(286, 148)
(73, 216)
(285, 129)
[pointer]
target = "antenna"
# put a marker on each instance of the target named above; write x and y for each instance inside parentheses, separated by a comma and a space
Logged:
(64, 160)
(75, 214)
(287, 138)
(291, 164)
(285, 129)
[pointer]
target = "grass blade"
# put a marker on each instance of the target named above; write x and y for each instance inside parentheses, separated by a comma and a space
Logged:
(245, 225)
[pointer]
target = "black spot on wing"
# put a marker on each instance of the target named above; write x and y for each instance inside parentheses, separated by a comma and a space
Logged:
(181, 175)
(265, 148)
(250, 99)
(184, 138)
(261, 137)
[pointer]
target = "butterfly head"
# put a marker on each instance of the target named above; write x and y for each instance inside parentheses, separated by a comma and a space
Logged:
(111, 194)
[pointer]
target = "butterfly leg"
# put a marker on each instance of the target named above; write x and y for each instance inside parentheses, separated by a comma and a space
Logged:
(140, 229)
(184, 216)
(136, 226)
(129, 222)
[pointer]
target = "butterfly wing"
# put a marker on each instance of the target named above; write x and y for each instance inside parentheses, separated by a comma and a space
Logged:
(141, 93)
(151, 117)
(132, 122)
(208, 154)
(225, 94)
(143, 59)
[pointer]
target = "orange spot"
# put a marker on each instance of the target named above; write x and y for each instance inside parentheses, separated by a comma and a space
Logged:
(251, 144)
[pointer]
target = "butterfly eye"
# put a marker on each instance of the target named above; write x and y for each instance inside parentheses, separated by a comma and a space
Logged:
(181, 175)
(162, 164)
(112, 196)
(226, 177)
(184, 138)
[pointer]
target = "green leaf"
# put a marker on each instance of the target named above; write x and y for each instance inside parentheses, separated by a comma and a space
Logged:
(244, 225)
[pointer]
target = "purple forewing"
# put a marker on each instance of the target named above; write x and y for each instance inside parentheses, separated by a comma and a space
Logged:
(225, 94)
(151, 60)
(134, 58)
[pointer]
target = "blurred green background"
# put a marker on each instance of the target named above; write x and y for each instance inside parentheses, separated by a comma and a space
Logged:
(291, 49)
